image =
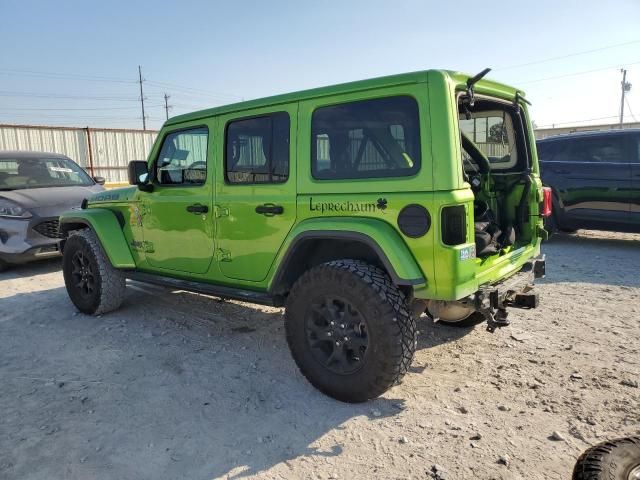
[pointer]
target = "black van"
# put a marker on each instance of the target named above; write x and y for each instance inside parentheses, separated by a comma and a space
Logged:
(595, 178)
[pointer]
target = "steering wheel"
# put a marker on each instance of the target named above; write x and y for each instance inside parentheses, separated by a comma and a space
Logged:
(197, 165)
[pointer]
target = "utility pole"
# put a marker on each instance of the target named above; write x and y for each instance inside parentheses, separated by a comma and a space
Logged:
(144, 119)
(626, 86)
(166, 104)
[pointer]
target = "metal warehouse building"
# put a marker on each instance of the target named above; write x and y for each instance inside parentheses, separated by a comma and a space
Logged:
(107, 152)
(101, 151)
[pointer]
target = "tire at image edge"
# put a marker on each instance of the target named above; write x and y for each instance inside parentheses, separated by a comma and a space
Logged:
(612, 460)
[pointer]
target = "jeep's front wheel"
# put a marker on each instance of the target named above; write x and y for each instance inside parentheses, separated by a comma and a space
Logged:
(350, 330)
(93, 285)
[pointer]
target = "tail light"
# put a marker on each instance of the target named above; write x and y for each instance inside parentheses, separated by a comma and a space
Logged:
(454, 225)
(545, 211)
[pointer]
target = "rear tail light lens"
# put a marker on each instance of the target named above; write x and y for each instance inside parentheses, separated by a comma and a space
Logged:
(454, 225)
(545, 211)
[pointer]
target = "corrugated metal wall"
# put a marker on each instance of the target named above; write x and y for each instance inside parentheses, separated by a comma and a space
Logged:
(111, 149)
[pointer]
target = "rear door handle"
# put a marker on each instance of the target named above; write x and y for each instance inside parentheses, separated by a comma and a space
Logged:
(197, 209)
(269, 209)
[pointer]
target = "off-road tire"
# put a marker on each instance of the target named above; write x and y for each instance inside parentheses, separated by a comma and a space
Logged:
(611, 460)
(391, 329)
(109, 283)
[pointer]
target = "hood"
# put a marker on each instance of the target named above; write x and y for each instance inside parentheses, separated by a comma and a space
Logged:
(63, 197)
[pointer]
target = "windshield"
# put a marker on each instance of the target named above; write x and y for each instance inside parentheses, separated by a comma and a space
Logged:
(21, 173)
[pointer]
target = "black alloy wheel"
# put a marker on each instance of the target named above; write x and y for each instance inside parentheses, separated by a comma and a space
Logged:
(337, 334)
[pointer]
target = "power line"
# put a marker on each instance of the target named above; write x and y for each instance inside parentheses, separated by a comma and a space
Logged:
(94, 117)
(575, 54)
(194, 90)
(7, 93)
(63, 109)
(626, 100)
(551, 125)
(584, 72)
(61, 76)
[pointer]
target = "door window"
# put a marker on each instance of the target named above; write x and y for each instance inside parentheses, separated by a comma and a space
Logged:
(607, 149)
(257, 150)
(183, 158)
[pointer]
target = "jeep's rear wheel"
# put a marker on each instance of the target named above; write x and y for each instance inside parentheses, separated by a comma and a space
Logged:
(350, 330)
(93, 285)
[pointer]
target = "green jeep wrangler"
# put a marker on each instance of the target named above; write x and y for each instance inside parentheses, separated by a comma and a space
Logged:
(358, 207)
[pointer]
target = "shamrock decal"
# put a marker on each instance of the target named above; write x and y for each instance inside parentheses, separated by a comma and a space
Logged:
(382, 204)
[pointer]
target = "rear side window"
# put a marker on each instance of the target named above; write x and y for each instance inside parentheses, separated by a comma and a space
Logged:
(257, 149)
(366, 139)
(605, 149)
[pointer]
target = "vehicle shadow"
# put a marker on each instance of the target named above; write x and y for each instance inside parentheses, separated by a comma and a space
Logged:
(32, 269)
(172, 385)
(593, 258)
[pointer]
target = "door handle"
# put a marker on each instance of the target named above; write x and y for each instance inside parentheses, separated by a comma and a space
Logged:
(197, 209)
(269, 209)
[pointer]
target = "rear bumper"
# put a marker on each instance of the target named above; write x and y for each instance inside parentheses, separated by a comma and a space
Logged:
(514, 291)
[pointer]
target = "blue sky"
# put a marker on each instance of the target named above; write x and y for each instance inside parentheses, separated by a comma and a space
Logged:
(75, 63)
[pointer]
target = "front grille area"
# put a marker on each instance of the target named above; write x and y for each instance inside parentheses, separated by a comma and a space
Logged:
(49, 228)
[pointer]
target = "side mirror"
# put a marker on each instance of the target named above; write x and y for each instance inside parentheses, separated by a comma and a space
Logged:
(99, 180)
(138, 172)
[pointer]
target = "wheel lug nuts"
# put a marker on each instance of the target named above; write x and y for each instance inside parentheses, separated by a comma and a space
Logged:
(342, 325)
(346, 339)
(338, 344)
(329, 334)
(332, 323)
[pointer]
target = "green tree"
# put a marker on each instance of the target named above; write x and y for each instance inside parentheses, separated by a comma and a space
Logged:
(498, 133)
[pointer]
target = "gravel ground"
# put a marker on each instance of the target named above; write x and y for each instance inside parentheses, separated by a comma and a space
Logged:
(178, 385)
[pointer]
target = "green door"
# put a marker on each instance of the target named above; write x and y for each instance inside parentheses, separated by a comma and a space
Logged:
(178, 224)
(256, 190)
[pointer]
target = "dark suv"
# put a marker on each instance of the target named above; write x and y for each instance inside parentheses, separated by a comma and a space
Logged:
(595, 178)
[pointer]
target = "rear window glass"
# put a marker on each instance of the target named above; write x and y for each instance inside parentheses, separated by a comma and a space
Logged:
(366, 139)
(494, 134)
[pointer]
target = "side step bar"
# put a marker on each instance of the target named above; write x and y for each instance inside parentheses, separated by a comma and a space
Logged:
(251, 296)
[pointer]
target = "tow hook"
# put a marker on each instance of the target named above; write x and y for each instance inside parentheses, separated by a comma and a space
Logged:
(496, 318)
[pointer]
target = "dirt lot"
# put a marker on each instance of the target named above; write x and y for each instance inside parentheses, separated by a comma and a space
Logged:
(177, 385)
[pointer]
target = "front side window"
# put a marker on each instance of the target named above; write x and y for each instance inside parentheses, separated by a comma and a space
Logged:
(41, 172)
(183, 158)
(366, 139)
(608, 149)
(257, 149)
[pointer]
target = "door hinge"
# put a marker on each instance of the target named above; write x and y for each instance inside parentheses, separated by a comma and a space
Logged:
(221, 211)
(223, 255)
